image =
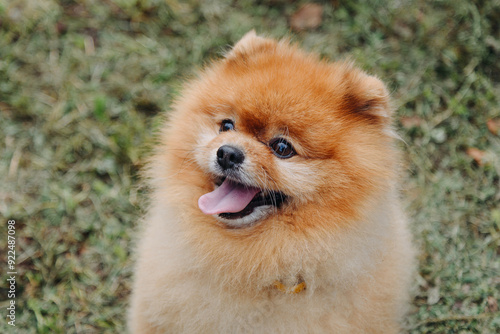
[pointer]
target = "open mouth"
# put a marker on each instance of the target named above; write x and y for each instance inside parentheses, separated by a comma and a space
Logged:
(233, 200)
(271, 198)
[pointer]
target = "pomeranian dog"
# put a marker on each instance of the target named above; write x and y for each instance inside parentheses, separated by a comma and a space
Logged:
(274, 204)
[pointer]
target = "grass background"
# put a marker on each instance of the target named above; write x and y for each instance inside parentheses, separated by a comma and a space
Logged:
(82, 84)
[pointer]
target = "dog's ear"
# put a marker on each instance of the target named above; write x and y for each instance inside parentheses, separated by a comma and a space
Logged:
(250, 44)
(366, 95)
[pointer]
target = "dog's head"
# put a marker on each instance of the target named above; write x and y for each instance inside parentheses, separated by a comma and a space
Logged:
(275, 133)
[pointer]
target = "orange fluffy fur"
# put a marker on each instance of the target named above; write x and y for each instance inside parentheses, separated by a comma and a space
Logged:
(341, 231)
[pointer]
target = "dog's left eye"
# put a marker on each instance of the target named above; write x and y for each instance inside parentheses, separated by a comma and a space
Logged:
(226, 125)
(282, 148)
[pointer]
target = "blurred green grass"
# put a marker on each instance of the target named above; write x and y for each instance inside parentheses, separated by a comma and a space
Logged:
(82, 84)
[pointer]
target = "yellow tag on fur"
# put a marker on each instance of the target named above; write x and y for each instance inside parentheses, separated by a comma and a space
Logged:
(290, 290)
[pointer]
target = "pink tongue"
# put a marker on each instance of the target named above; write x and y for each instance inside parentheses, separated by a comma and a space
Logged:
(229, 197)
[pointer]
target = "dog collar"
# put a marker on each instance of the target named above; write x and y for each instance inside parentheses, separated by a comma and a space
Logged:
(290, 289)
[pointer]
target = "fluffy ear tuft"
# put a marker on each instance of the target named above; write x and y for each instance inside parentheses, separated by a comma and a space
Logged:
(367, 95)
(250, 44)
(377, 96)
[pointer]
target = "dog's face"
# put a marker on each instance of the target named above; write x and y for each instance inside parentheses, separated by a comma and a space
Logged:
(277, 135)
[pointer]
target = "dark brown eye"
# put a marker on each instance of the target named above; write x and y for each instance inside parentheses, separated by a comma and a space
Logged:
(226, 125)
(282, 148)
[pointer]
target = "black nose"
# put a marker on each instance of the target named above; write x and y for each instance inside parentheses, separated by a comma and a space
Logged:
(229, 157)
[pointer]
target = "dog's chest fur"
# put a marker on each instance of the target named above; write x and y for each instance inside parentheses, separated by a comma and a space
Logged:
(349, 290)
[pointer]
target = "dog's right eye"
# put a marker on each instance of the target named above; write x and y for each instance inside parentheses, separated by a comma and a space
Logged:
(226, 125)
